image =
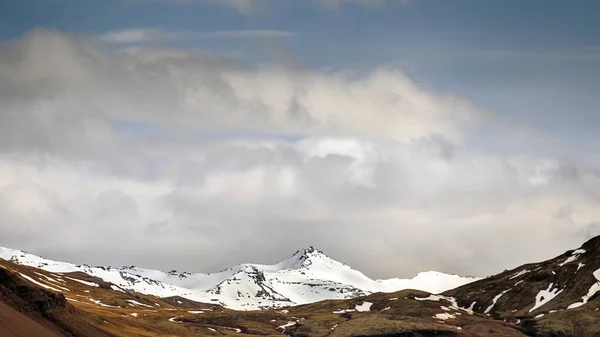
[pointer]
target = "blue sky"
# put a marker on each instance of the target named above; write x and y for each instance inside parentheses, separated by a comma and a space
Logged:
(196, 125)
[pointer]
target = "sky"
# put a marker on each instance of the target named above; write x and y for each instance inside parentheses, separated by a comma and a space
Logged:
(397, 136)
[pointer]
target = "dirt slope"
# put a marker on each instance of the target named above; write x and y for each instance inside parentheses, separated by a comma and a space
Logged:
(16, 324)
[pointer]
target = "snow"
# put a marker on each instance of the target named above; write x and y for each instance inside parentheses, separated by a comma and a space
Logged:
(579, 266)
(113, 287)
(211, 329)
(90, 284)
(386, 308)
(49, 278)
(545, 296)
(393, 299)
(452, 300)
(286, 325)
(196, 312)
(173, 320)
(134, 314)
(136, 303)
(341, 311)
(522, 272)
(577, 304)
(591, 292)
(102, 304)
(540, 316)
(495, 300)
(307, 276)
(365, 306)
(38, 283)
(574, 256)
(444, 316)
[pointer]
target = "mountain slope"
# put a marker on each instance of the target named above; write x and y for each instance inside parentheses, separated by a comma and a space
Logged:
(305, 277)
(565, 288)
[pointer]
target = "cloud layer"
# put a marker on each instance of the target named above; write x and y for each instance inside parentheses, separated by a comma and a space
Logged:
(177, 159)
(153, 35)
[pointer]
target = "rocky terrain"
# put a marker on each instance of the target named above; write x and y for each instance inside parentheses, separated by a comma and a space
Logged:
(562, 294)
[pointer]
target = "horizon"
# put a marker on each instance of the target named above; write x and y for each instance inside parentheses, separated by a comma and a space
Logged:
(397, 135)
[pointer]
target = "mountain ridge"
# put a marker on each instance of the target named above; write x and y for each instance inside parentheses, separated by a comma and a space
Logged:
(306, 276)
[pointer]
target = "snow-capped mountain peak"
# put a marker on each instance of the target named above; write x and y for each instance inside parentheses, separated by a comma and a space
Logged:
(304, 258)
(306, 276)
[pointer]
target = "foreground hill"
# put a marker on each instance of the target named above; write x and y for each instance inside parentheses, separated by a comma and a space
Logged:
(305, 277)
(562, 294)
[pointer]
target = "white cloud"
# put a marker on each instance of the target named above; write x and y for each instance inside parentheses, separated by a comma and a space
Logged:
(249, 7)
(151, 35)
(338, 3)
(136, 35)
(158, 157)
(250, 33)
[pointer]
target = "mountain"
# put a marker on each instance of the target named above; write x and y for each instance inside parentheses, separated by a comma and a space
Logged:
(559, 297)
(305, 277)
(562, 293)
(35, 302)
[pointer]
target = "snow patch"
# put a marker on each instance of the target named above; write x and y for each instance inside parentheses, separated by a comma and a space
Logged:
(115, 288)
(90, 284)
(495, 300)
(444, 316)
(593, 290)
(545, 296)
(39, 284)
(522, 272)
(365, 306)
(574, 256)
(136, 303)
(286, 325)
(102, 304)
(452, 300)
